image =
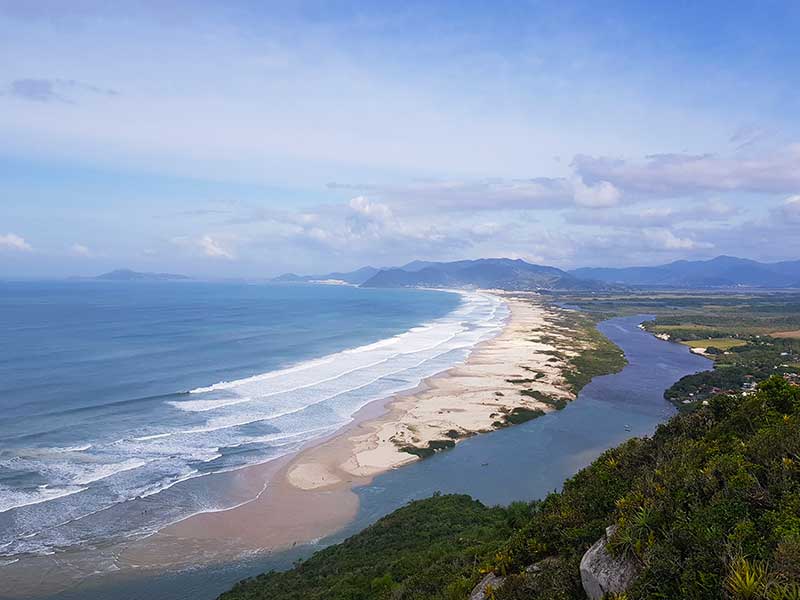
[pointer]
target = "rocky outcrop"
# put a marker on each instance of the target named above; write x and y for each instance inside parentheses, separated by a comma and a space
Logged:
(490, 581)
(602, 573)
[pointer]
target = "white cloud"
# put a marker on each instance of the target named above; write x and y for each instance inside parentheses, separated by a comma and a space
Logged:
(681, 174)
(80, 250)
(664, 239)
(215, 249)
(464, 195)
(363, 206)
(213, 246)
(790, 209)
(599, 195)
(12, 241)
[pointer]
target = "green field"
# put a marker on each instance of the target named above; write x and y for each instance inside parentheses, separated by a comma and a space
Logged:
(721, 343)
(749, 336)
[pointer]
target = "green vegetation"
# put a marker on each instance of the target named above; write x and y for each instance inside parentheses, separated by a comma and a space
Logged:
(710, 489)
(701, 314)
(735, 329)
(709, 508)
(738, 368)
(432, 448)
(536, 395)
(428, 549)
(521, 381)
(556, 403)
(719, 343)
(521, 414)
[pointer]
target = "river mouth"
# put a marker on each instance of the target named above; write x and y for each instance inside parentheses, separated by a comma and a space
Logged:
(540, 454)
(544, 452)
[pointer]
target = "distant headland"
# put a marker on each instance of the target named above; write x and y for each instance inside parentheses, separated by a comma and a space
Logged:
(130, 275)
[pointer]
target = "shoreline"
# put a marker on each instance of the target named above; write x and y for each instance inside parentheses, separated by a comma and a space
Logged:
(306, 496)
(310, 494)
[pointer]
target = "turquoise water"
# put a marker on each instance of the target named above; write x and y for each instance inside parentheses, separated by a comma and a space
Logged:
(523, 462)
(117, 399)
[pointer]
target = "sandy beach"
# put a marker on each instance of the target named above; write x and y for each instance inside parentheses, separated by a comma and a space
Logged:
(310, 495)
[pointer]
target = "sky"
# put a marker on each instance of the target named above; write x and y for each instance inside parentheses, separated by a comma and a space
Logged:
(251, 138)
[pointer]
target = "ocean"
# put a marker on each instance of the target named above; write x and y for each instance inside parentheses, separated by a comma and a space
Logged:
(524, 462)
(117, 399)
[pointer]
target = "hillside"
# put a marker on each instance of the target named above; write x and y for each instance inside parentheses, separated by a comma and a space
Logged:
(499, 273)
(708, 508)
(510, 274)
(722, 271)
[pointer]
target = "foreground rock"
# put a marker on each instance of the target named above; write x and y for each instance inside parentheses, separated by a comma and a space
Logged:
(489, 582)
(602, 573)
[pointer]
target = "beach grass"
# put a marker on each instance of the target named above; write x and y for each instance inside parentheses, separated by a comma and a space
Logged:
(521, 415)
(596, 354)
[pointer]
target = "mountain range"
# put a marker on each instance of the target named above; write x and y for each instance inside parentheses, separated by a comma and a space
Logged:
(510, 274)
(719, 272)
(501, 273)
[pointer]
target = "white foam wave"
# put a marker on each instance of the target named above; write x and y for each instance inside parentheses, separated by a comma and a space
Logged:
(207, 405)
(326, 391)
(103, 471)
(316, 363)
(80, 448)
(14, 498)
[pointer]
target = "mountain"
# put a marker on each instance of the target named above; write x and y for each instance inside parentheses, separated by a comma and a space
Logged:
(356, 277)
(128, 275)
(722, 271)
(502, 273)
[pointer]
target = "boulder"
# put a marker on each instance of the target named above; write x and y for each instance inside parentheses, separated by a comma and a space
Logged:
(602, 573)
(490, 580)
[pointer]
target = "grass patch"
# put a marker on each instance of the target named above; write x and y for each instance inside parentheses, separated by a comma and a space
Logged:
(455, 434)
(536, 394)
(557, 403)
(521, 414)
(432, 448)
(721, 343)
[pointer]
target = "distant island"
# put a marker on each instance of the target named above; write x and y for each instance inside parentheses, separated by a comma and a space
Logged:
(129, 275)
(356, 277)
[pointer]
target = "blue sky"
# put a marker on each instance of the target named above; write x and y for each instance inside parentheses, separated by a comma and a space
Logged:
(252, 138)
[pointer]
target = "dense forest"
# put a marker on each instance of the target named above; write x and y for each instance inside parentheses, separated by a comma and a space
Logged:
(707, 508)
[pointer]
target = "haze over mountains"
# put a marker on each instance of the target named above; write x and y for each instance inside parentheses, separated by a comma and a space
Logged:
(504, 273)
(129, 275)
(722, 271)
(501, 273)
